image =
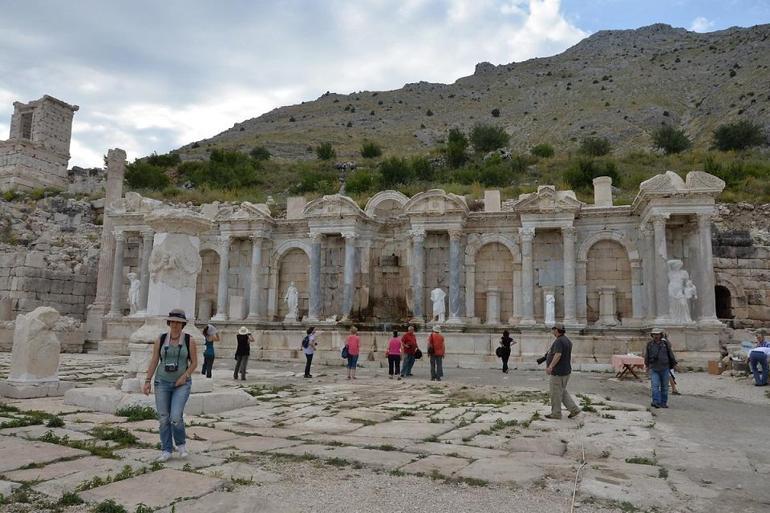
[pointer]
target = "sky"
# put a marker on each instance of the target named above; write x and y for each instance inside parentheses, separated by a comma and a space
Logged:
(153, 75)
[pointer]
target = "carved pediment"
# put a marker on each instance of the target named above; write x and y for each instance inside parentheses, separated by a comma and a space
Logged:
(666, 183)
(671, 184)
(436, 202)
(252, 212)
(333, 205)
(548, 199)
(699, 181)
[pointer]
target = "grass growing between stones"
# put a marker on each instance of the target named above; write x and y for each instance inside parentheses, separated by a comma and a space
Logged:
(641, 460)
(18, 418)
(136, 413)
(109, 506)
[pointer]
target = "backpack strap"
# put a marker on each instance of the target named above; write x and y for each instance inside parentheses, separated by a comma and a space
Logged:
(162, 342)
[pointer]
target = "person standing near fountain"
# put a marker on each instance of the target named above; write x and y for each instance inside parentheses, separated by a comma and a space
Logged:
(505, 345)
(211, 336)
(354, 347)
(173, 361)
(244, 339)
(409, 347)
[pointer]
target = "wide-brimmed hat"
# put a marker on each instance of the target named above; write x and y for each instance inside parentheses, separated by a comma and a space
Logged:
(244, 331)
(656, 331)
(437, 329)
(559, 327)
(177, 315)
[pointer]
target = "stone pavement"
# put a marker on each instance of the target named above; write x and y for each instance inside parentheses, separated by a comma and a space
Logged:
(328, 444)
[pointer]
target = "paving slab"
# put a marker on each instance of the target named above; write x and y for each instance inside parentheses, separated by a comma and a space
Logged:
(52, 405)
(254, 443)
(18, 452)
(7, 487)
(443, 465)
(242, 472)
(242, 500)
(332, 425)
(503, 470)
(448, 413)
(407, 429)
(37, 431)
(360, 441)
(387, 460)
(94, 418)
(369, 414)
(209, 434)
(103, 468)
(461, 450)
(155, 489)
(468, 431)
(637, 487)
(56, 470)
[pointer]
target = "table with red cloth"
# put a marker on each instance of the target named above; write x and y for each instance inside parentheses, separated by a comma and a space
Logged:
(625, 364)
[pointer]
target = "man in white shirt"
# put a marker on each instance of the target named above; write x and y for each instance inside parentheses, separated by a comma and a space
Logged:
(758, 358)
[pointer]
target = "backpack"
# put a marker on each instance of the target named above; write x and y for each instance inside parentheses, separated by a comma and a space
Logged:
(186, 343)
(305, 342)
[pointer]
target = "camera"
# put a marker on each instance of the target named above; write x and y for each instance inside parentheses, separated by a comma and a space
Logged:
(171, 367)
(542, 358)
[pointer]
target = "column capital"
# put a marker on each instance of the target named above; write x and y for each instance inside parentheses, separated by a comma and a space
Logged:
(316, 237)
(417, 234)
(257, 237)
(568, 231)
(704, 219)
(527, 233)
(646, 229)
(455, 233)
(349, 235)
(224, 241)
(147, 234)
(120, 235)
(659, 219)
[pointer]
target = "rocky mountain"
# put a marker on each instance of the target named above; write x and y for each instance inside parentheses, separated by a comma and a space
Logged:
(619, 84)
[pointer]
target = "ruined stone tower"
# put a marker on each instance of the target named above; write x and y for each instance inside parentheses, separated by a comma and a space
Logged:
(38, 148)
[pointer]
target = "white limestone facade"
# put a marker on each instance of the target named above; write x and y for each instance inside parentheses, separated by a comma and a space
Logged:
(604, 264)
(37, 151)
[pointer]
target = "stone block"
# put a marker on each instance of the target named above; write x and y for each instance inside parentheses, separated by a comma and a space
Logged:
(492, 201)
(295, 207)
(35, 259)
(30, 390)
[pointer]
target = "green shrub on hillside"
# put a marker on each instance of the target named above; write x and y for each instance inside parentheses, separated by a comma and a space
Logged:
(670, 139)
(595, 146)
(260, 153)
(422, 168)
(143, 175)
(736, 171)
(456, 146)
(394, 171)
(488, 137)
(738, 136)
(360, 181)
(495, 172)
(581, 172)
(316, 180)
(224, 170)
(370, 150)
(167, 160)
(325, 151)
(544, 150)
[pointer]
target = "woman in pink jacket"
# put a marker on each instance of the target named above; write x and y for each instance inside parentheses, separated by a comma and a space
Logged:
(394, 356)
(354, 346)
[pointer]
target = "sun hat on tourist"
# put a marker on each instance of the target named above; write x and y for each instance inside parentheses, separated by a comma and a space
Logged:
(244, 331)
(437, 329)
(656, 331)
(177, 315)
(558, 326)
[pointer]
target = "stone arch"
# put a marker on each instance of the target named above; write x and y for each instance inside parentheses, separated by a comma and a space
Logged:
(737, 297)
(472, 248)
(607, 264)
(724, 306)
(587, 244)
(450, 202)
(211, 245)
(207, 283)
(384, 198)
(281, 250)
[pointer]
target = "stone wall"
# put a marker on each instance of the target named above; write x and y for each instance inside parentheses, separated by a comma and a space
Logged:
(294, 267)
(549, 274)
(608, 265)
(494, 268)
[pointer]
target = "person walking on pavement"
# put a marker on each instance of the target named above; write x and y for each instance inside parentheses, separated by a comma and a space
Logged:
(436, 351)
(559, 368)
(658, 361)
(244, 338)
(409, 348)
(309, 346)
(210, 334)
(394, 356)
(505, 345)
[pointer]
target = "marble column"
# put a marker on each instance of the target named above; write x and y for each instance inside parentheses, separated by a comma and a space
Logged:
(349, 276)
(223, 285)
(418, 274)
(706, 284)
(493, 306)
(117, 275)
(648, 271)
(661, 269)
(147, 241)
(455, 305)
(314, 304)
(256, 264)
(568, 236)
(637, 301)
(527, 235)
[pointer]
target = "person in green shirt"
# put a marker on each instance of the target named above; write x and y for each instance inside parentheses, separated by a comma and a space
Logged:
(174, 359)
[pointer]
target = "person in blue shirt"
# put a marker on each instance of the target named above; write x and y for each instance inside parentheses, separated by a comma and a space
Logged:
(758, 359)
(210, 336)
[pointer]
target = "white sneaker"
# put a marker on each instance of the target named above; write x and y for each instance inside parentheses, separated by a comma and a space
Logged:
(182, 450)
(164, 456)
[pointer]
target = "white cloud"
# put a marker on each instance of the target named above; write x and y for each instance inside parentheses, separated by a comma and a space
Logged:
(155, 84)
(701, 24)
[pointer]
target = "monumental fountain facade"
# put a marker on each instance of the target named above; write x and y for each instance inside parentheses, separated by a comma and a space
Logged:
(605, 271)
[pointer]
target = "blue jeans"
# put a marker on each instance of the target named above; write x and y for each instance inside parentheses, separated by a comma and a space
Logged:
(757, 359)
(436, 367)
(406, 368)
(659, 379)
(352, 361)
(170, 401)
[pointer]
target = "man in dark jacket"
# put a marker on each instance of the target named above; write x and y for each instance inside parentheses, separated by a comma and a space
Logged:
(658, 360)
(559, 367)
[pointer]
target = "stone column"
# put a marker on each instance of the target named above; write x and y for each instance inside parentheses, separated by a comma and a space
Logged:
(648, 271)
(418, 274)
(314, 304)
(349, 276)
(581, 291)
(223, 285)
(527, 234)
(147, 240)
(117, 275)
(636, 294)
(493, 306)
(661, 270)
(705, 274)
(455, 305)
(568, 236)
(116, 169)
(607, 306)
(256, 264)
